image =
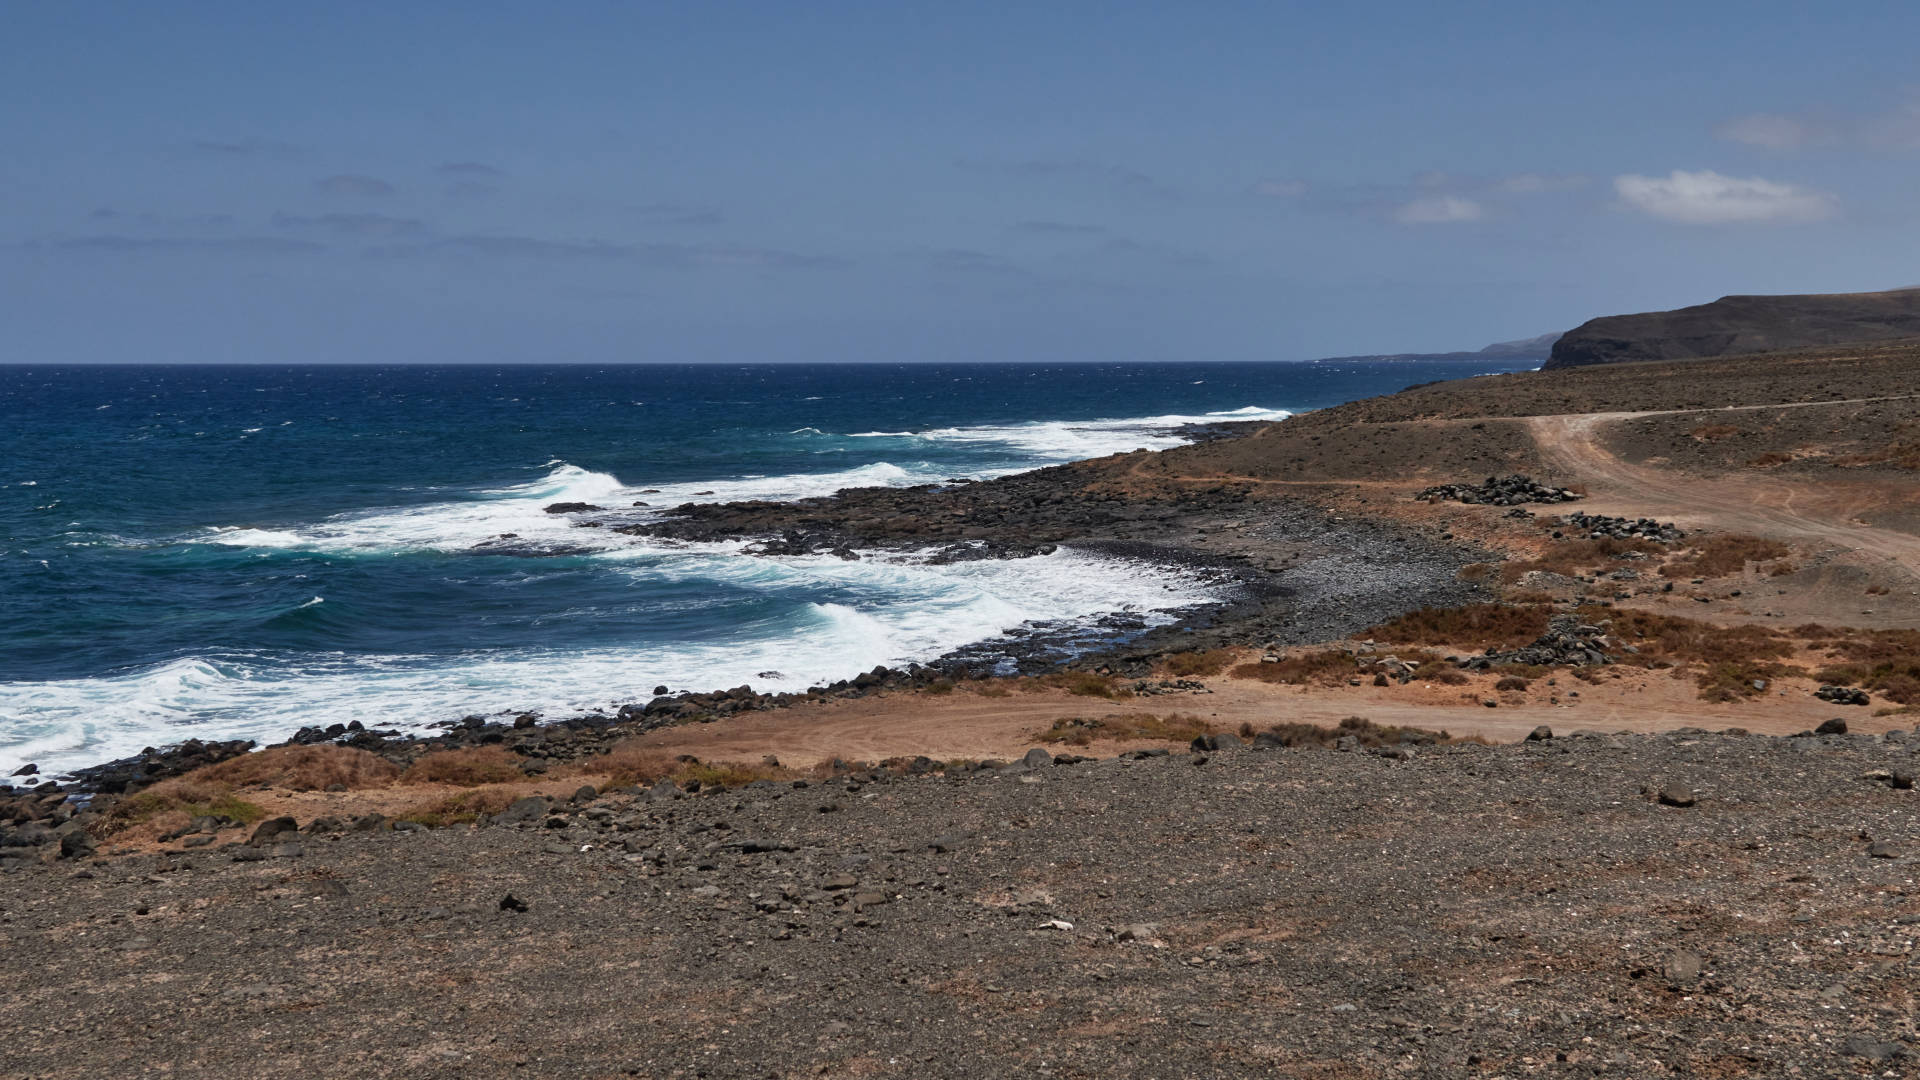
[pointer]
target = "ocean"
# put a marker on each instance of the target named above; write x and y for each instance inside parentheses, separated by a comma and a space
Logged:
(241, 551)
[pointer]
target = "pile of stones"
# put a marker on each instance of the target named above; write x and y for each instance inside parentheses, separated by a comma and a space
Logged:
(1499, 491)
(1598, 527)
(1843, 695)
(1567, 641)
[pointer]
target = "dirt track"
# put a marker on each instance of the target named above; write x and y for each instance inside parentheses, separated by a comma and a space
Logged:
(1793, 510)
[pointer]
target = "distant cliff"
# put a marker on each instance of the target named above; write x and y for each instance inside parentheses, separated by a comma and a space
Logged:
(1533, 348)
(1741, 324)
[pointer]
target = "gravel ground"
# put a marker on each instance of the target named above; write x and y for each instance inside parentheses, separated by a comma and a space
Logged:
(1469, 911)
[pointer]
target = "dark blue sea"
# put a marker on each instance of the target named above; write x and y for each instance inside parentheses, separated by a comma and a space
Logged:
(243, 551)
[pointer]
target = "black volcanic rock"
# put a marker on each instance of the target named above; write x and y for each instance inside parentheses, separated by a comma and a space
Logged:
(1733, 325)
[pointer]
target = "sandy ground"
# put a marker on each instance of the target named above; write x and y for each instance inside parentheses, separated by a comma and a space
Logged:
(969, 725)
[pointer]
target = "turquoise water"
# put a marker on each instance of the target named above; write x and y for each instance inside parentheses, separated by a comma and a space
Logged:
(242, 551)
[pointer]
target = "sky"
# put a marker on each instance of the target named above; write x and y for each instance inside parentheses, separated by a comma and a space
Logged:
(606, 182)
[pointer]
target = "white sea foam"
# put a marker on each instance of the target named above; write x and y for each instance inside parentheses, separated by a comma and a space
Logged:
(886, 612)
(1045, 442)
(519, 510)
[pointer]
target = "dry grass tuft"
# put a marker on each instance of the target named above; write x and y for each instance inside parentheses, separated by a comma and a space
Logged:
(1725, 554)
(1505, 625)
(1886, 662)
(1366, 731)
(627, 763)
(1197, 664)
(1078, 731)
(1769, 460)
(1328, 667)
(1730, 658)
(469, 767)
(172, 803)
(461, 807)
(303, 768)
(1570, 558)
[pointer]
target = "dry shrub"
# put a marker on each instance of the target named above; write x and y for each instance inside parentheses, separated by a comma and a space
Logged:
(1884, 661)
(627, 763)
(1780, 569)
(1328, 667)
(1080, 684)
(304, 768)
(1725, 554)
(1366, 731)
(462, 806)
(1731, 658)
(1079, 731)
(1714, 432)
(938, 686)
(1197, 664)
(1769, 460)
(1507, 625)
(468, 767)
(1571, 557)
(179, 800)
(643, 766)
(1511, 682)
(1475, 571)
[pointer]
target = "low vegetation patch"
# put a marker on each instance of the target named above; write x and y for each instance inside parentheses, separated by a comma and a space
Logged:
(1368, 733)
(1478, 625)
(1728, 661)
(643, 766)
(1196, 664)
(1081, 731)
(468, 767)
(1571, 558)
(1717, 556)
(304, 768)
(462, 807)
(1886, 662)
(1327, 667)
(177, 801)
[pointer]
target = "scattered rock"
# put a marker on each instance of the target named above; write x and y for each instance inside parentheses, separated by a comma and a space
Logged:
(1676, 794)
(266, 832)
(1835, 726)
(1682, 969)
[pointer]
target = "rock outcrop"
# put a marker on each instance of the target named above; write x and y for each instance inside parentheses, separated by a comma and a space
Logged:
(1733, 325)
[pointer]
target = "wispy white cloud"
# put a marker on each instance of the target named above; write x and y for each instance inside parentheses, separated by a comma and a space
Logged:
(661, 256)
(1894, 128)
(1708, 198)
(230, 245)
(352, 224)
(1438, 210)
(351, 184)
(1773, 131)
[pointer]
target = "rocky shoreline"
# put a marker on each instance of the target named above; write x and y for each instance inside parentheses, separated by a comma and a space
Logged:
(1285, 572)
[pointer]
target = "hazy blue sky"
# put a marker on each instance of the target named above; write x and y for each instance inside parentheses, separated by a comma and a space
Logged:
(607, 182)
